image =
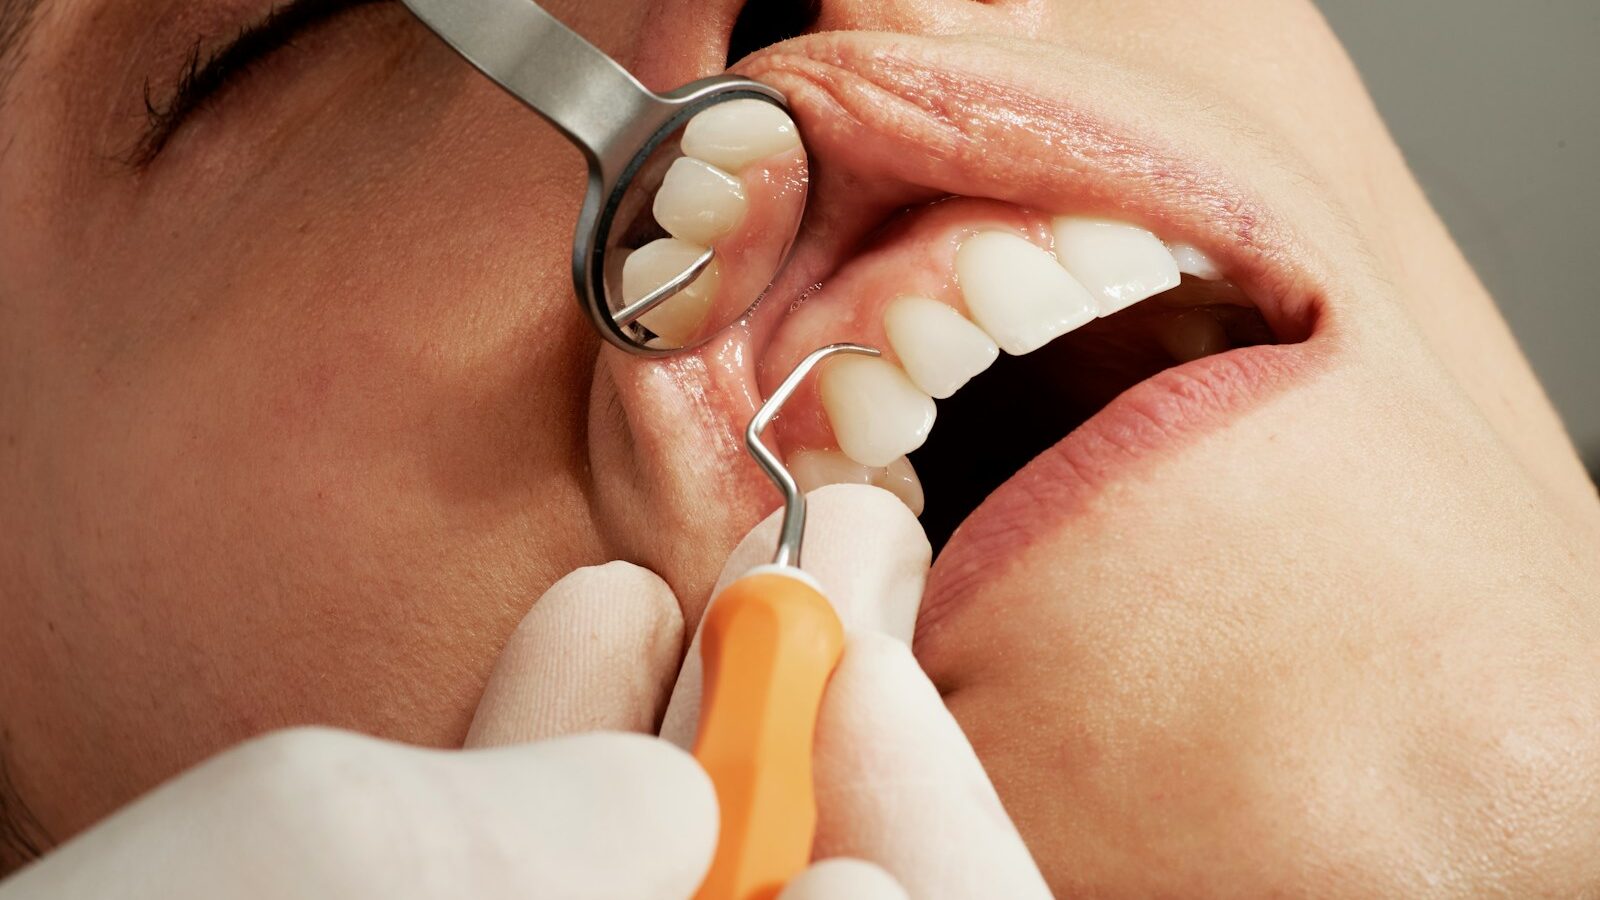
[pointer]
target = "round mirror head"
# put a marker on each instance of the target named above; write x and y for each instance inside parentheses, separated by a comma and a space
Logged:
(694, 237)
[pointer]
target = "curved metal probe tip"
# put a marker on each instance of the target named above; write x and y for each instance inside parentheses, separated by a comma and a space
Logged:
(631, 313)
(794, 502)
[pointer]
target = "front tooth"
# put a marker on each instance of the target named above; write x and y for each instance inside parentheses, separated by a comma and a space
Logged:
(901, 480)
(814, 468)
(1018, 293)
(877, 414)
(937, 346)
(1120, 264)
(699, 202)
(735, 134)
(679, 318)
(1191, 261)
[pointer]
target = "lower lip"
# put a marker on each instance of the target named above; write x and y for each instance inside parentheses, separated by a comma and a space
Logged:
(1159, 416)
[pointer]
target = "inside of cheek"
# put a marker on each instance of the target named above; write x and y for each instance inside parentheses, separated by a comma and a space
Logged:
(1023, 405)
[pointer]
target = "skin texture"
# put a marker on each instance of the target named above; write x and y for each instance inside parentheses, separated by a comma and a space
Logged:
(296, 422)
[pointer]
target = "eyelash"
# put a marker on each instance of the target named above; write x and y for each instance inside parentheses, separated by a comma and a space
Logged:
(203, 77)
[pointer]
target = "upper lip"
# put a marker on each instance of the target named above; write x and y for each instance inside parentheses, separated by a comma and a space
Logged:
(893, 120)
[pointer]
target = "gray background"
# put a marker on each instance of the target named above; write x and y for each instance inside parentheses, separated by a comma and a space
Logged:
(1496, 104)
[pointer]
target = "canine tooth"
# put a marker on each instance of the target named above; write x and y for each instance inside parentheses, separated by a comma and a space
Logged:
(1192, 262)
(1120, 264)
(901, 480)
(649, 267)
(814, 468)
(1018, 293)
(732, 135)
(1191, 335)
(699, 202)
(878, 415)
(937, 346)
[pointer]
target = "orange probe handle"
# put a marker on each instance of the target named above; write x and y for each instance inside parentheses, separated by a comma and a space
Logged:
(768, 647)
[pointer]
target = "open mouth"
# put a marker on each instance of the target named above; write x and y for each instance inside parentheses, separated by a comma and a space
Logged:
(1054, 294)
(1023, 405)
(1004, 330)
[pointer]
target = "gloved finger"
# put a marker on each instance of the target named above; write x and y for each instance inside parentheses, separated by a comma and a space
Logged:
(599, 651)
(322, 813)
(602, 815)
(843, 879)
(862, 545)
(898, 783)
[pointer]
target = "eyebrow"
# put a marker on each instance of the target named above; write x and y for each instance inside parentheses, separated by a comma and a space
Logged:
(16, 16)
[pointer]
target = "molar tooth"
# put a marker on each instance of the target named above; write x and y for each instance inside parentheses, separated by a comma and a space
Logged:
(814, 468)
(901, 480)
(1120, 264)
(937, 346)
(679, 318)
(1191, 335)
(1192, 262)
(732, 135)
(877, 414)
(699, 202)
(1018, 293)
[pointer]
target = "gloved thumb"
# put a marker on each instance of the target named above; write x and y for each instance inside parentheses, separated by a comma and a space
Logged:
(898, 783)
(598, 652)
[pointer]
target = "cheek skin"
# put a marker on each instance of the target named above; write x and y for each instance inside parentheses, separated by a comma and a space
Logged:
(305, 451)
(679, 490)
(1198, 688)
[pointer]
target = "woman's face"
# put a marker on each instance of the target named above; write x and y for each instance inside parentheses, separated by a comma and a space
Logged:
(298, 417)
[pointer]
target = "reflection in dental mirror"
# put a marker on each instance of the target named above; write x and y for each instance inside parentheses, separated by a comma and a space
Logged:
(706, 225)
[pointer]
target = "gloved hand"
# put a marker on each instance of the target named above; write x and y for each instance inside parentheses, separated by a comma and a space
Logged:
(897, 782)
(547, 812)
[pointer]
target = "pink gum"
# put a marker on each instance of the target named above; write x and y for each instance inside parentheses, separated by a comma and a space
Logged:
(775, 191)
(917, 257)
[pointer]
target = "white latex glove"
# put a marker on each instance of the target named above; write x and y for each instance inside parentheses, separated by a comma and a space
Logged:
(320, 813)
(897, 783)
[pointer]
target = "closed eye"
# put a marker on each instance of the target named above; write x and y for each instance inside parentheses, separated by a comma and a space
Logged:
(205, 76)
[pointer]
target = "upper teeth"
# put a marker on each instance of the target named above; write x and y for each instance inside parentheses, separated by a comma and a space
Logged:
(735, 134)
(1020, 297)
(1119, 264)
(699, 202)
(703, 199)
(1193, 262)
(653, 265)
(1018, 292)
(938, 347)
(878, 415)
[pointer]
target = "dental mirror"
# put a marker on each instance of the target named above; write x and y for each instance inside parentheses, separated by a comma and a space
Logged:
(694, 197)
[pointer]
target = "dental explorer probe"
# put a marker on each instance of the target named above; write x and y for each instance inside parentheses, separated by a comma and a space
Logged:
(768, 647)
(622, 128)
